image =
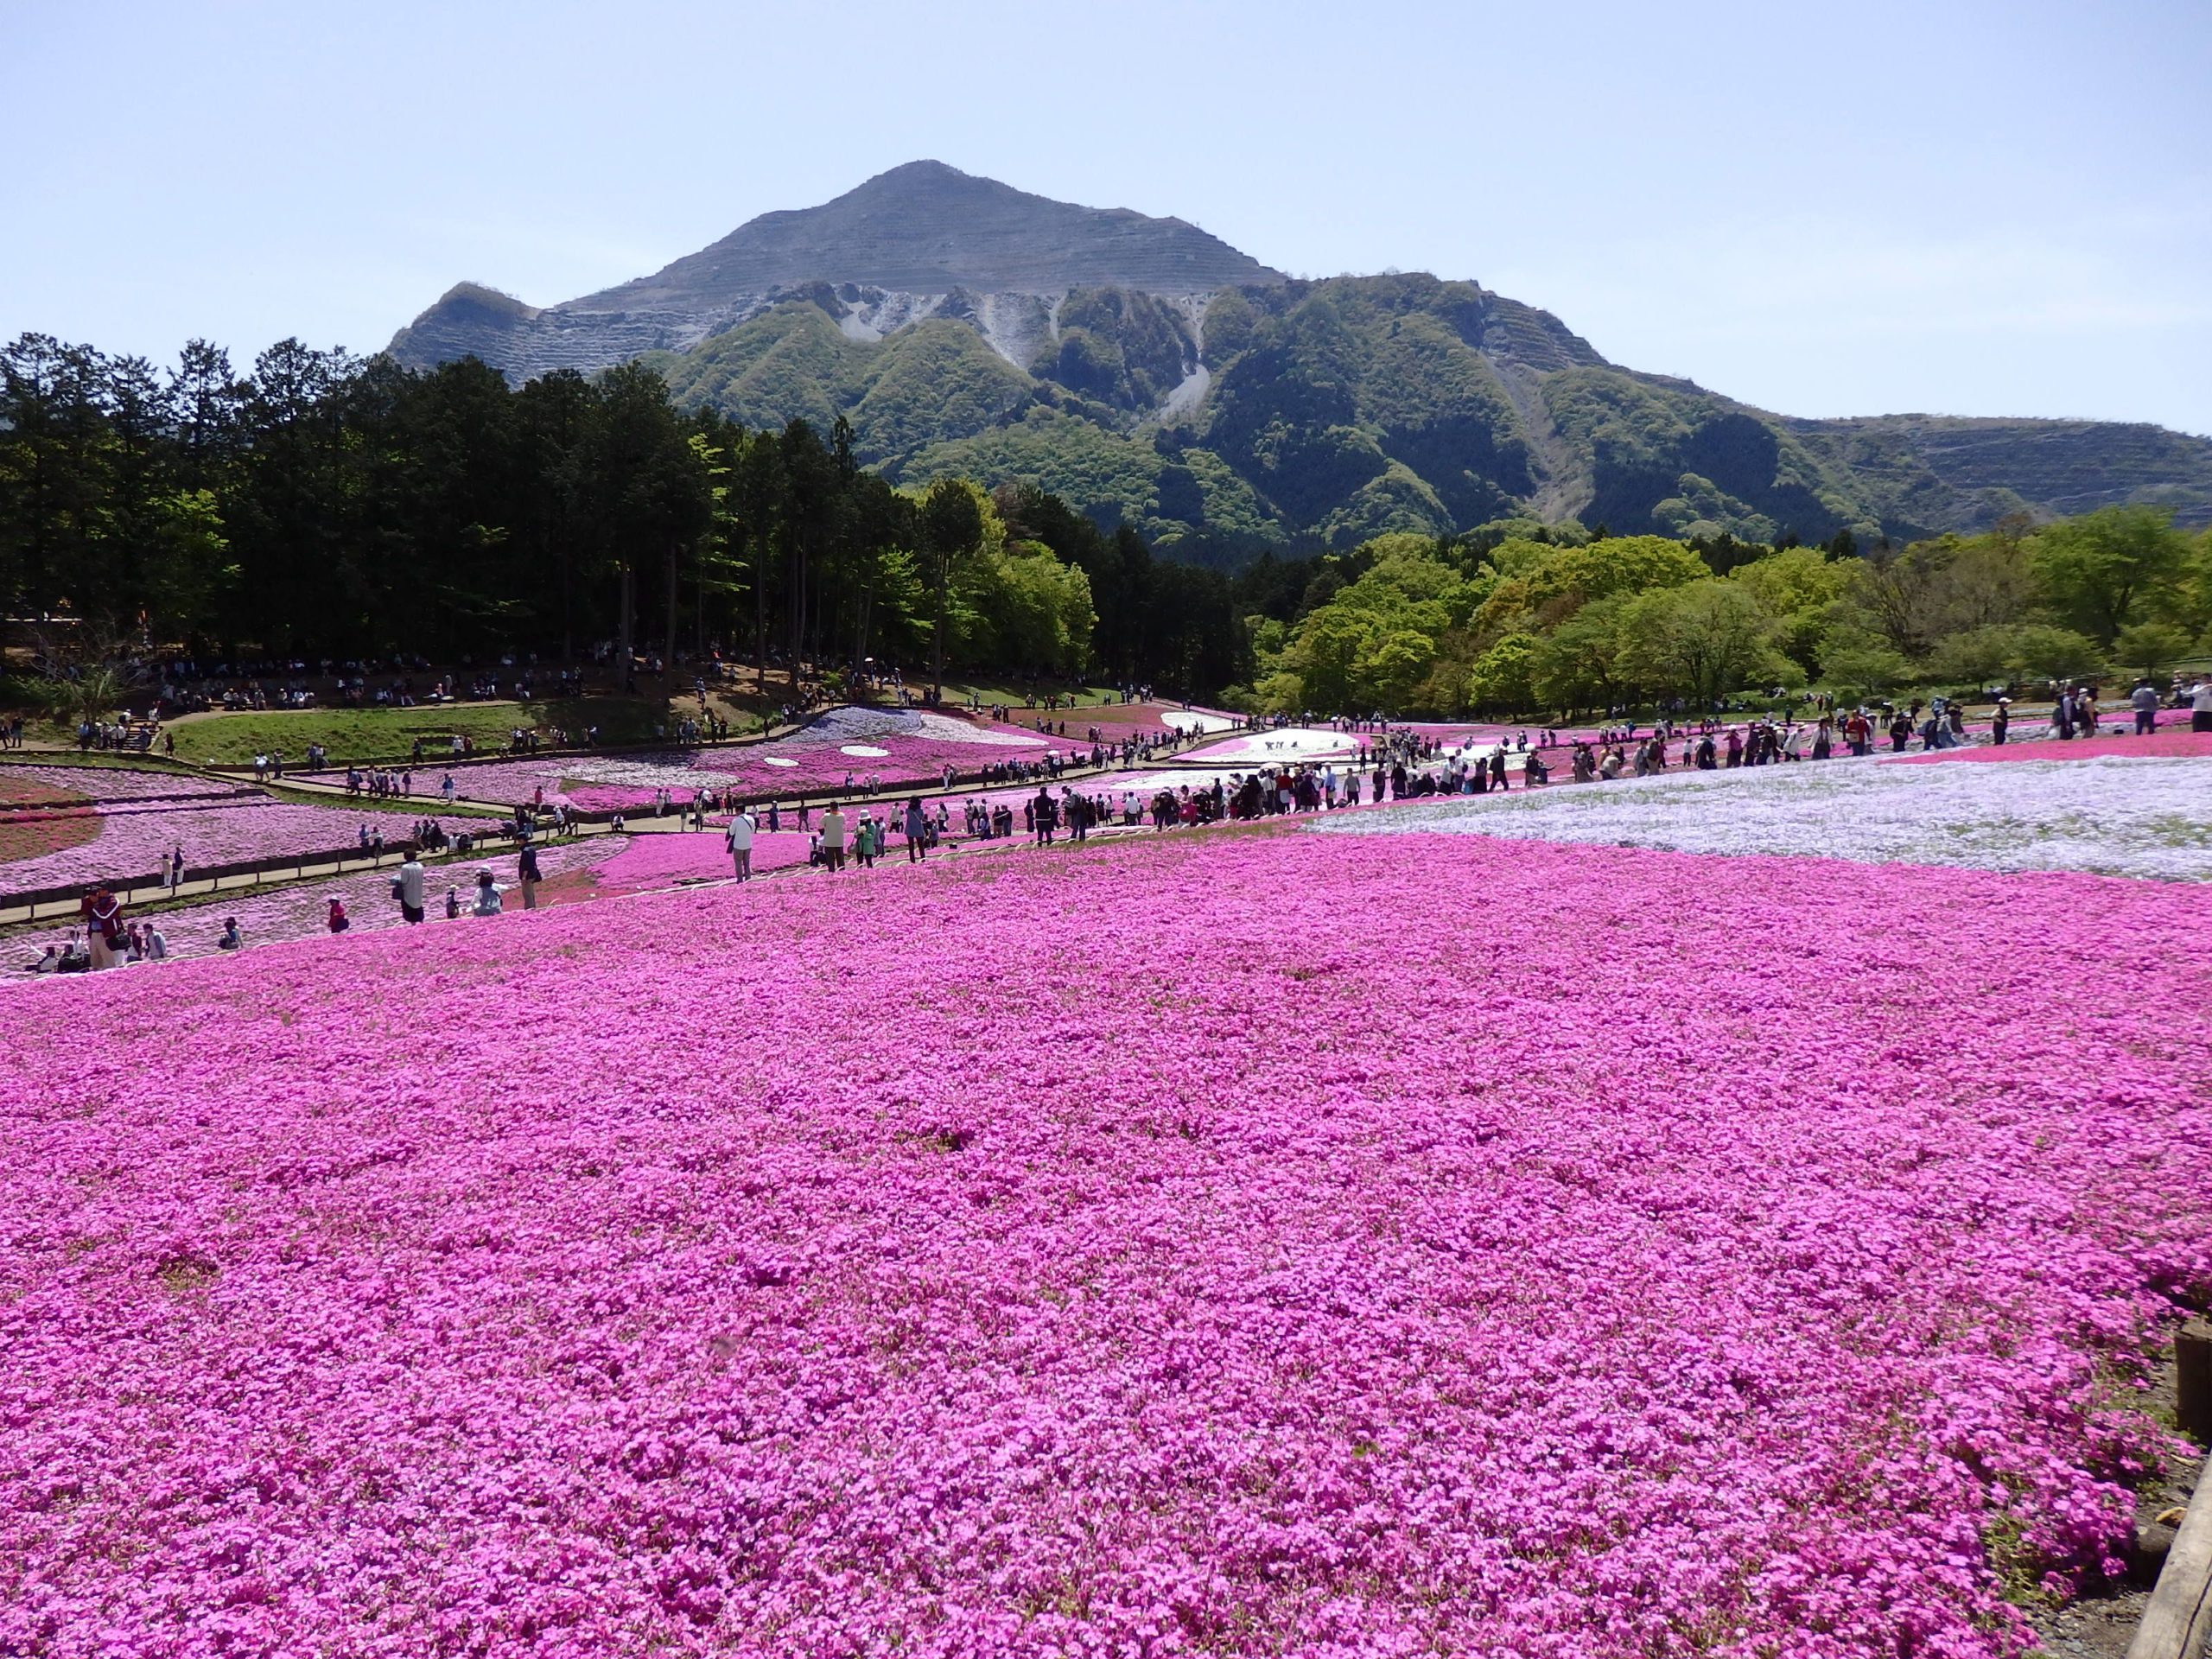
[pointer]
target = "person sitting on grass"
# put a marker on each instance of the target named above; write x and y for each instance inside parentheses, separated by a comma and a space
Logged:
(230, 939)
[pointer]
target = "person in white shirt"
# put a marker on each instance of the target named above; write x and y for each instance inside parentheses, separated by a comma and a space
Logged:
(488, 895)
(738, 838)
(833, 837)
(2200, 707)
(407, 886)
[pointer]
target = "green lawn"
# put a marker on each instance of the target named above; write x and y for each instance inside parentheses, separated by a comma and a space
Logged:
(956, 692)
(370, 734)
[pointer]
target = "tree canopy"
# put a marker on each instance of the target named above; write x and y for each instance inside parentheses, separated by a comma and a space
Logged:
(322, 506)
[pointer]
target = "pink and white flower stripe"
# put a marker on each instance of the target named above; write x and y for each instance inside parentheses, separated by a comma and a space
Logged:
(136, 838)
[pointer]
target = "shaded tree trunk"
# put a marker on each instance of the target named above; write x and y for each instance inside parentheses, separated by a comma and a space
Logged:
(622, 637)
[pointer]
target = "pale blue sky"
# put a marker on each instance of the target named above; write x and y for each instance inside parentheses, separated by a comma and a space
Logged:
(1824, 209)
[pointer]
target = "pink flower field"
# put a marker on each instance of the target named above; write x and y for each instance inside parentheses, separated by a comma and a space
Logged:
(664, 860)
(139, 816)
(2173, 740)
(1253, 1243)
(299, 910)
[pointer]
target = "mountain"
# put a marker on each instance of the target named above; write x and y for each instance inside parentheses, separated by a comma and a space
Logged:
(1148, 370)
(923, 240)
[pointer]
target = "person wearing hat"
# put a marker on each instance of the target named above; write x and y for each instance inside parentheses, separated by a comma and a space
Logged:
(488, 895)
(2001, 722)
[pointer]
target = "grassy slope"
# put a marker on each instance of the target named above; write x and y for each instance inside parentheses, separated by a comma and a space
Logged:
(389, 733)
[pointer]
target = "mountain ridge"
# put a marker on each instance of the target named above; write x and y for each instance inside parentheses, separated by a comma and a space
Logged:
(1150, 373)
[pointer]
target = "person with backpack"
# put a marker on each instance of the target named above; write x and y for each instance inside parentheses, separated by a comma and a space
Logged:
(103, 931)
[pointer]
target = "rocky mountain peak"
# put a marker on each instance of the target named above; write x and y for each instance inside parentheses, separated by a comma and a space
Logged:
(921, 239)
(928, 228)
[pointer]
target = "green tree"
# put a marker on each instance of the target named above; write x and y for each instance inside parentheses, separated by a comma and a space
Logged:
(2043, 652)
(951, 529)
(646, 493)
(2101, 569)
(1703, 641)
(1504, 678)
(1576, 665)
(2150, 648)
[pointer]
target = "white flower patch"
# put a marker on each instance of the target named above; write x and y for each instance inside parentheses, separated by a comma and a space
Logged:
(2109, 816)
(851, 725)
(1189, 720)
(681, 772)
(1286, 743)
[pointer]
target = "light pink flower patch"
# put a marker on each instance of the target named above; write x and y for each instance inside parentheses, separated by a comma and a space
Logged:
(1252, 1243)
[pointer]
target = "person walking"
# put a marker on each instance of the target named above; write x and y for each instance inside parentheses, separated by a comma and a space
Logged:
(737, 840)
(833, 835)
(2146, 703)
(917, 826)
(528, 874)
(2000, 723)
(2200, 706)
(407, 886)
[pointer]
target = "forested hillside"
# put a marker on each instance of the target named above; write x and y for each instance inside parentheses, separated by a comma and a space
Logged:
(1520, 619)
(323, 505)
(1330, 412)
(1150, 374)
(326, 506)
